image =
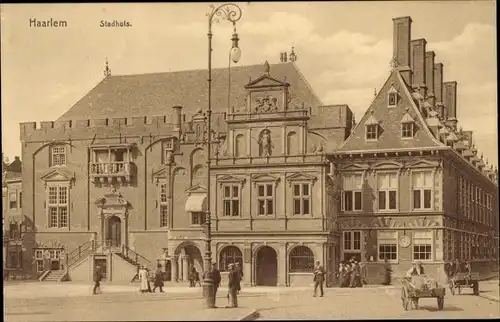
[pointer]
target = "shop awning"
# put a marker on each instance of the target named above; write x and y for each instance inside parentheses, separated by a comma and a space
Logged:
(196, 202)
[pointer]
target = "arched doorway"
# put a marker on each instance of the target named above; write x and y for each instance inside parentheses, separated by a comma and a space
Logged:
(187, 256)
(114, 231)
(266, 267)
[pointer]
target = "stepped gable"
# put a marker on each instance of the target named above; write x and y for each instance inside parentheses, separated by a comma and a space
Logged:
(389, 120)
(154, 94)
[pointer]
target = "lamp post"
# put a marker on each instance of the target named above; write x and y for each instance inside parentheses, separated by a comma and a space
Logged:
(232, 13)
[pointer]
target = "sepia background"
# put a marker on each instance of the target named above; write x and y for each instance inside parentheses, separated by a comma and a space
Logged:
(343, 49)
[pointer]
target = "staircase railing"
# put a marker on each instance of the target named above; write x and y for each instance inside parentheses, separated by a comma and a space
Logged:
(80, 252)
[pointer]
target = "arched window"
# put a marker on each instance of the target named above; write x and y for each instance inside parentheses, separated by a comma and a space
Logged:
(292, 143)
(239, 145)
(301, 260)
(228, 255)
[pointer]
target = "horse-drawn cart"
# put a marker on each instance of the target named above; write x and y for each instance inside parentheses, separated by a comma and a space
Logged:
(410, 294)
(461, 280)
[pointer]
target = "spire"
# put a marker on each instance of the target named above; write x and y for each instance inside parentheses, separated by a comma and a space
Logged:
(293, 56)
(107, 70)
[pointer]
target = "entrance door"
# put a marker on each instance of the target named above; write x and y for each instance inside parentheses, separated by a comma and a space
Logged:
(114, 231)
(267, 267)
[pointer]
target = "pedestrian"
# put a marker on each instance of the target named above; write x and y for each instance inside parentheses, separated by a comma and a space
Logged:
(158, 282)
(217, 279)
(97, 280)
(341, 275)
(457, 267)
(468, 273)
(233, 286)
(150, 279)
(387, 272)
(192, 276)
(319, 279)
(348, 272)
(415, 270)
(363, 273)
(143, 278)
(355, 274)
(238, 269)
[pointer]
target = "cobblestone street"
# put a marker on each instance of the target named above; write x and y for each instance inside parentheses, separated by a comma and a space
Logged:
(44, 302)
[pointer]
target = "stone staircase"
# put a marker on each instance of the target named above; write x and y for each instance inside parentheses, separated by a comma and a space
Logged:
(53, 276)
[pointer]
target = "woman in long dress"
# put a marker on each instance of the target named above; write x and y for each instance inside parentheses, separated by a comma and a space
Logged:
(143, 278)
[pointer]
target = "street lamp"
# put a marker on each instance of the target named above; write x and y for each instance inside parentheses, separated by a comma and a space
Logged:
(232, 13)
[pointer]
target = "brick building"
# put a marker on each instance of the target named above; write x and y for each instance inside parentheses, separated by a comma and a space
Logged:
(112, 183)
(413, 185)
(12, 215)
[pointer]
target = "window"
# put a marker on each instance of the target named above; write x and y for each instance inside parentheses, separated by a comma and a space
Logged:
(301, 199)
(169, 144)
(58, 206)
(13, 231)
(422, 190)
(39, 260)
(58, 154)
(387, 245)
(407, 130)
(197, 218)
(371, 132)
(422, 245)
(265, 199)
(231, 200)
(387, 191)
(301, 260)
(392, 99)
(351, 193)
(352, 241)
(163, 205)
(12, 200)
(230, 255)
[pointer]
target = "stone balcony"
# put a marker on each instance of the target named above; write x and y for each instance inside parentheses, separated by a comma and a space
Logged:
(108, 171)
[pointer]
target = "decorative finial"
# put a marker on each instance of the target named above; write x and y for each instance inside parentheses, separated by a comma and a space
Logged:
(267, 68)
(371, 112)
(293, 56)
(374, 92)
(107, 70)
(407, 110)
(393, 65)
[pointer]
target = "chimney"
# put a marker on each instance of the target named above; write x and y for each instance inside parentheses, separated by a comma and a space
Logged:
(418, 65)
(401, 46)
(450, 102)
(438, 89)
(429, 77)
(176, 120)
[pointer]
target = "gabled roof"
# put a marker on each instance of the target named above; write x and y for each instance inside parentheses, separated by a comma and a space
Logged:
(371, 120)
(155, 94)
(389, 119)
(407, 118)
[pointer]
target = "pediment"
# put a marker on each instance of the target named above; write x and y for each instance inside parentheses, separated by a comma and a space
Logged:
(423, 164)
(301, 177)
(112, 199)
(265, 81)
(354, 167)
(196, 189)
(57, 175)
(387, 165)
(264, 177)
(231, 179)
(161, 174)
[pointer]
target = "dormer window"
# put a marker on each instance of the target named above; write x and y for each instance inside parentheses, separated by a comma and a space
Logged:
(407, 126)
(392, 97)
(371, 125)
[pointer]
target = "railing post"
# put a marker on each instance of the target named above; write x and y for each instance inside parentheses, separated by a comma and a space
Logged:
(67, 262)
(92, 243)
(136, 258)
(123, 249)
(79, 251)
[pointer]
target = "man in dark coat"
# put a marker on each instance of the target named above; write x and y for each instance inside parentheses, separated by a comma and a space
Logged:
(319, 279)
(238, 269)
(233, 286)
(216, 278)
(387, 272)
(97, 280)
(355, 274)
(158, 281)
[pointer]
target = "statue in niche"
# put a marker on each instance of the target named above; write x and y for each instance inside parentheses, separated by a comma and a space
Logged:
(198, 132)
(265, 143)
(170, 157)
(222, 147)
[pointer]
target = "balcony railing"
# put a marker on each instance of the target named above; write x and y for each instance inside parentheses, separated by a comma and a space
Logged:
(110, 169)
(300, 113)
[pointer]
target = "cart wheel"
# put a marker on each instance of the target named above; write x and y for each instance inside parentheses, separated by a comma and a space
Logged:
(475, 288)
(440, 301)
(404, 298)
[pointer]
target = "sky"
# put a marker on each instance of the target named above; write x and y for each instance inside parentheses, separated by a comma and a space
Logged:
(343, 48)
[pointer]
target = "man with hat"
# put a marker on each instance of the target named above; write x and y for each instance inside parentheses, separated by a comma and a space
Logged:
(97, 279)
(233, 286)
(158, 279)
(216, 278)
(319, 278)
